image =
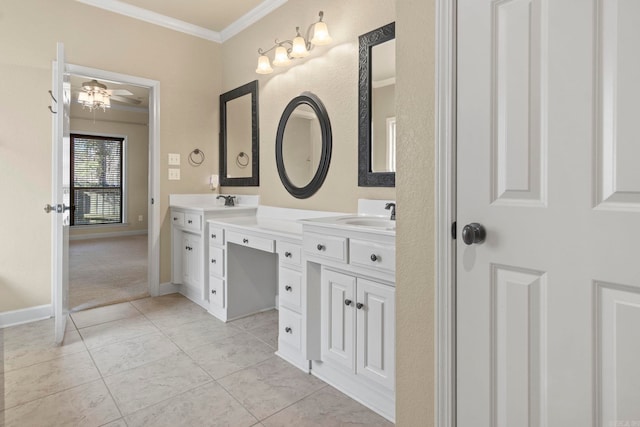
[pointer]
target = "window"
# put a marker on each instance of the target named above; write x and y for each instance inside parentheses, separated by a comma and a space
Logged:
(96, 180)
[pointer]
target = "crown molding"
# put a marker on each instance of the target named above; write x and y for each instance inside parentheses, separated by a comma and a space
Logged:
(249, 18)
(145, 15)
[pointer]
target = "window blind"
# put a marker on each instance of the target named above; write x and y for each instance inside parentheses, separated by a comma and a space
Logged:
(96, 180)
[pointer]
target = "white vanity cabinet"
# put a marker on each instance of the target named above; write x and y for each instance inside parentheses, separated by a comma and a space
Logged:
(358, 326)
(291, 297)
(187, 249)
(216, 262)
(190, 245)
(350, 285)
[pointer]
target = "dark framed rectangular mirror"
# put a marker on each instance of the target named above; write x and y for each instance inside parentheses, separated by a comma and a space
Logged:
(376, 108)
(239, 137)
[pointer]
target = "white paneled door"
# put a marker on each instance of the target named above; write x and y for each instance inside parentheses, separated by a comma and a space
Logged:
(61, 174)
(548, 131)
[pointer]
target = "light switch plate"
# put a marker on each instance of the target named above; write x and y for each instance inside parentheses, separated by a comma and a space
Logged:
(174, 174)
(174, 159)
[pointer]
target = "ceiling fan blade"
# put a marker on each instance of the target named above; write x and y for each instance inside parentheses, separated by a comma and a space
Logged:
(125, 100)
(124, 92)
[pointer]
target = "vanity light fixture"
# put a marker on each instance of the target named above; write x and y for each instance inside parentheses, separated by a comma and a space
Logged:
(94, 95)
(299, 47)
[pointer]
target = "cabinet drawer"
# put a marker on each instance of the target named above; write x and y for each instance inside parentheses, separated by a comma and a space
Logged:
(216, 261)
(289, 253)
(332, 247)
(216, 235)
(290, 283)
(177, 218)
(250, 241)
(216, 292)
(290, 328)
(193, 221)
(372, 255)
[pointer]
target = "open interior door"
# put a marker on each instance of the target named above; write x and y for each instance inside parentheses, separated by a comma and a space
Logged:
(548, 198)
(61, 175)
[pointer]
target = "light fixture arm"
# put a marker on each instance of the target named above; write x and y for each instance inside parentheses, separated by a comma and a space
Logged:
(299, 47)
(277, 43)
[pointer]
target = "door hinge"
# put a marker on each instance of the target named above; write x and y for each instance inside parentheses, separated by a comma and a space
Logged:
(152, 201)
(454, 230)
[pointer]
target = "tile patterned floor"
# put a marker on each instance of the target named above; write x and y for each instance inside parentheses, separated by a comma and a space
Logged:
(162, 362)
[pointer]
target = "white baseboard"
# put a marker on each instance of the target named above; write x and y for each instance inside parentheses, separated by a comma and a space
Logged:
(25, 315)
(168, 288)
(107, 234)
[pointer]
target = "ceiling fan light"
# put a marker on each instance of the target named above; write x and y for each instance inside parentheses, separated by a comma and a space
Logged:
(83, 97)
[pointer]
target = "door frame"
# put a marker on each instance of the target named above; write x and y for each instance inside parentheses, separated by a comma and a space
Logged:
(153, 202)
(446, 149)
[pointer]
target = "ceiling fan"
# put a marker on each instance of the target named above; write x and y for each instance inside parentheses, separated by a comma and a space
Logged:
(94, 94)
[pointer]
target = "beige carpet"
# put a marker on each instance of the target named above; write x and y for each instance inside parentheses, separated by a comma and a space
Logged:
(106, 271)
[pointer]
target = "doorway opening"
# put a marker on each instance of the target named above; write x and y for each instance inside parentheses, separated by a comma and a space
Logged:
(117, 261)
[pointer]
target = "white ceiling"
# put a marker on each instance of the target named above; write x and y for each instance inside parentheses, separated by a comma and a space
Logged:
(215, 20)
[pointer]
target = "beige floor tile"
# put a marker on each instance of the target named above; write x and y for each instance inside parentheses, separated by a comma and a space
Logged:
(164, 302)
(174, 316)
(116, 331)
(154, 382)
(196, 334)
(36, 381)
(123, 355)
(258, 320)
(86, 405)
(208, 405)
(105, 314)
(269, 387)
(30, 350)
(326, 408)
(231, 354)
(116, 423)
(267, 334)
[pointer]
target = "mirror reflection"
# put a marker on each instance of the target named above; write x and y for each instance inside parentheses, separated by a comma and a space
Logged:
(239, 137)
(302, 145)
(383, 107)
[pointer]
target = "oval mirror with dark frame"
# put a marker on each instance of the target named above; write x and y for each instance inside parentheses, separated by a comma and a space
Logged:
(239, 136)
(376, 108)
(303, 145)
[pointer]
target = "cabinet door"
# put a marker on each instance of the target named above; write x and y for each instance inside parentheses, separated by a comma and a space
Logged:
(192, 260)
(375, 308)
(338, 318)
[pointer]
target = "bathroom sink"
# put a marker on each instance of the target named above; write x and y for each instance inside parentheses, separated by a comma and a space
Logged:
(378, 223)
(381, 223)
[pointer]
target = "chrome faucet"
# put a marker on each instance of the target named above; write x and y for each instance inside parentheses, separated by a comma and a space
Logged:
(392, 207)
(228, 200)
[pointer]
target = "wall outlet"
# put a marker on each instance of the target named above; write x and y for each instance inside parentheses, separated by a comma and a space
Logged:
(174, 159)
(174, 174)
(140, 218)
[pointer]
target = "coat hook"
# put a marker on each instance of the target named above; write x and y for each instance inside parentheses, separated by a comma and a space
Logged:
(52, 97)
(51, 109)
